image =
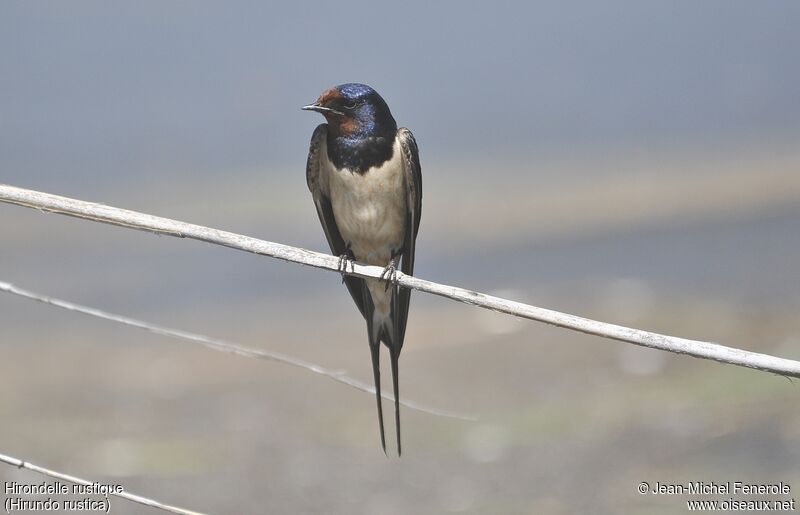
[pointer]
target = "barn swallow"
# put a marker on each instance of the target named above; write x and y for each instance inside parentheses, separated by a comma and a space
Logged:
(365, 177)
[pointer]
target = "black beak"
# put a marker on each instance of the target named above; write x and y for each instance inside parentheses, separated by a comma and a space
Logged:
(321, 109)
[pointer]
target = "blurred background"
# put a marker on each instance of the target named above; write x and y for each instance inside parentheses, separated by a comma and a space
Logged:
(634, 162)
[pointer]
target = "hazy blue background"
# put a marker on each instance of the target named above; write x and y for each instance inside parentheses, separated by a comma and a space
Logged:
(636, 162)
(102, 90)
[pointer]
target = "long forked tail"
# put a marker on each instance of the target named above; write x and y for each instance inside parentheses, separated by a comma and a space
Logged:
(385, 329)
(394, 354)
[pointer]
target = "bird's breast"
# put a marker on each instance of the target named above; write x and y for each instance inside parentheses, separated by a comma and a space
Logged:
(370, 208)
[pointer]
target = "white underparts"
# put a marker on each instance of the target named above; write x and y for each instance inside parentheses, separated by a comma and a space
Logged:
(370, 212)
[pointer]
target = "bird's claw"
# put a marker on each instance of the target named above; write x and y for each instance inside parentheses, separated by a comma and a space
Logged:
(345, 260)
(390, 274)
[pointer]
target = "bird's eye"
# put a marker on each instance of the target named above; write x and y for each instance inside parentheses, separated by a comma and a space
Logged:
(349, 104)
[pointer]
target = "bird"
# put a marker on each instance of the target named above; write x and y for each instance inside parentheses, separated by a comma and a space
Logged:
(365, 178)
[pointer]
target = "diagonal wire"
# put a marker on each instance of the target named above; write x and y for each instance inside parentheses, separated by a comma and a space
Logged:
(48, 202)
(222, 346)
(72, 479)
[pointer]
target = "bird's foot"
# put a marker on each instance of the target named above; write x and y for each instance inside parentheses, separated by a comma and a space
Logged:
(345, 260)
(390, 274)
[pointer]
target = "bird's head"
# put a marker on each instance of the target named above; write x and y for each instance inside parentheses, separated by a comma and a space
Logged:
(355, 110)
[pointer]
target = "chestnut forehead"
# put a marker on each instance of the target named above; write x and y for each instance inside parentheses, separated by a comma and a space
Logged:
(330, 95)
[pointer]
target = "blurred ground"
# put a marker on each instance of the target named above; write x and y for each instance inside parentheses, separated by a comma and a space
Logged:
(567, 423)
